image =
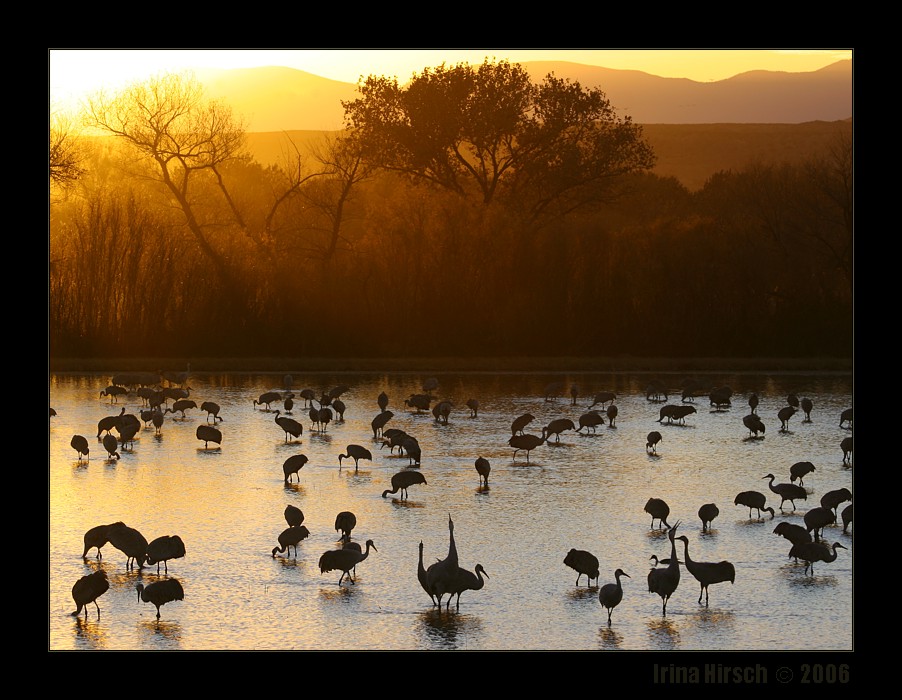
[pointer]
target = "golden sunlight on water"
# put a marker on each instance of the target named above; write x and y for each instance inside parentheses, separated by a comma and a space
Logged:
(587, 492)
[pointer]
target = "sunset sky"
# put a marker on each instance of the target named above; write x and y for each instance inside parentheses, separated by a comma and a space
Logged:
(73, 73)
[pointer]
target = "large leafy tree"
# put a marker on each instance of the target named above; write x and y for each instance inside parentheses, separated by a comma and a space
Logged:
(490, 131)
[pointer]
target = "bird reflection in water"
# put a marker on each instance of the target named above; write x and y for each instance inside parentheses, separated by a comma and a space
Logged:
(90, 633)
(448, 629)
(664, 633)
(609, 638)
(155, 631)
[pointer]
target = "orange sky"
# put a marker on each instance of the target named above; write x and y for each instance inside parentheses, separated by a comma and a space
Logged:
(74, 73)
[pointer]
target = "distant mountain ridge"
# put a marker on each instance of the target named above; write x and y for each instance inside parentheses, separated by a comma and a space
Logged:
(276, 98)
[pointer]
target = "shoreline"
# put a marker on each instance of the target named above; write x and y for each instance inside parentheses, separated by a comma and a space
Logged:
(770, 365)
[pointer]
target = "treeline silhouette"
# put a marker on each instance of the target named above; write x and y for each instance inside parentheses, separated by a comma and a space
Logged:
(757, 263)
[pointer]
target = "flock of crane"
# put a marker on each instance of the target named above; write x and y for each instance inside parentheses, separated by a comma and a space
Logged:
(446, 577)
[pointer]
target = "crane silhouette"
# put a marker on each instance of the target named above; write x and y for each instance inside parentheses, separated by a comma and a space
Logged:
(79, 443)
(754, 424)
(521, 422)
(402, 481)
(266, 398)
(344, 560)
(810, 552)
(553, 390)
(845, 417)
(787, 492)
(340, 408)
(181, 406)
(355, 452)
(610, 594)
(652, 440)
(97, 537)
(441, 411)
(421, 574)
(212, 408)
(796, 534)
(107, 423)
(707, 513)
(556, 427)
(382, 401)
(846, 447)
(807, 405)
(288, 403)
(110, 444)
(753, 402)
(208, 434)
(483, 469)
(378, 423)
(161, 592)
(467, 581)
(157, 418)
(526, 442)
(289, 425)
(832, 499)
(293, 465)
(87, 590)
(658, 509)
(442, 575)
(793, 400)
(611, 413)
(590, 419)
(753, 499)
(473, 405)
(114, 392)
(164, 548)
(130, 542)
(290, 537)
(846, 518)
(799, 470)
(603, 397)
(816, 519)
(784, 414)
(707, 572)
(294, 516)
(345, 522)
(421, 402)
(665, 581)
(584, 564)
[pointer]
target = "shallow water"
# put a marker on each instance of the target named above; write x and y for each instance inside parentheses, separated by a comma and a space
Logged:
(588, 492)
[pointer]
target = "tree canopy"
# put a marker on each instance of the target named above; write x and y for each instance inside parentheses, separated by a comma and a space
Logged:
(490, 131)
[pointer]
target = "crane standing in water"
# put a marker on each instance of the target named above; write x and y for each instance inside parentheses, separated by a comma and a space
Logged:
(665, 581)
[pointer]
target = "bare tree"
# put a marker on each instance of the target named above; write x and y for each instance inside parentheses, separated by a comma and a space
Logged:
(67, 152)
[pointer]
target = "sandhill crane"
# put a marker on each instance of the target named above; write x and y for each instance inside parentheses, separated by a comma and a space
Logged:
(294, 516)
(675, 412)
(130, 542)
(473, 405)
(128, 428)
(483, 469)
(583, 563)
(754, 424)
(324, 417)
(382, 401)
(267, 398)
(289, 425)
(402, 481)
(114, 392)
(816, 519)
(345, 522)
(339, 406)
(610, 594)
(467, 581)
(590, 419)
(521, 422)
(79, 443)
(719, 397)
(88, 589)
(442, 575)
(421, 402)
(845, 417)
(793, 400)
(603, 397)
(355, 452)
(411, 447)
(832, 499)
(574, 393)
(787, 492)
(393, 437)
(290, 537)
(707, 513)
(525, 442)
(441, 411)
(181, 406)
(556, 427)
(97, 537)
(799, 470)
(175, 393)
(707, 572)
(107, 423)
(810, 552)
(157, 418)
(796, 534)
(846, 447)
(753, 499)
(652, 440)
(164, 548)
(208, 434)
(846, 518)
(612, 412)
(288, 404)
(553, 390)
(161, 592)
(110, 443)
(421, 574)
(665, 581)
(753, 402)
(378, 423)
(658, 509)
(784, 414)
(807, 404)
(308, 395)
(344, 560)
(293, 465)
